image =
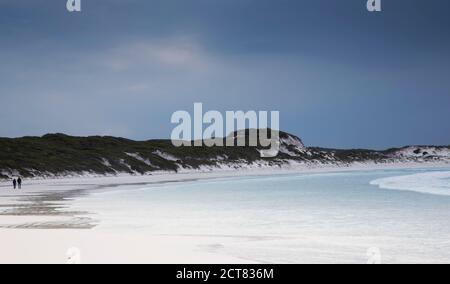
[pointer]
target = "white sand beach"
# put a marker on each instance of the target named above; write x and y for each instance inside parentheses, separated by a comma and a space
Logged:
(37, 227)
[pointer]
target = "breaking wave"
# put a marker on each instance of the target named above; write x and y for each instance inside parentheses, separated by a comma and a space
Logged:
(437, 183)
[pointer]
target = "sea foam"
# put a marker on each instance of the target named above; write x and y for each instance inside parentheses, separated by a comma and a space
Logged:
(437, 183)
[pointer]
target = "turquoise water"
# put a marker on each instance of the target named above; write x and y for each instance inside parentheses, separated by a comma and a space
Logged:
(318, 218)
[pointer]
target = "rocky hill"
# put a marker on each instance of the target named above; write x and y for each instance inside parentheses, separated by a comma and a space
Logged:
(62, 155)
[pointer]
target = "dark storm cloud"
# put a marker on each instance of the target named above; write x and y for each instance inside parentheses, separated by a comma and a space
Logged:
(339, 75)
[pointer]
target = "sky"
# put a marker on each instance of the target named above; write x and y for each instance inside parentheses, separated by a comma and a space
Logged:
(340, 76)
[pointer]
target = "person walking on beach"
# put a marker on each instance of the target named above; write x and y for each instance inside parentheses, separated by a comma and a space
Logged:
(19, 183)
(14, 183)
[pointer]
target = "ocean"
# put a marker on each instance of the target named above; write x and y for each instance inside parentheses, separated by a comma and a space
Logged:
(387, 216)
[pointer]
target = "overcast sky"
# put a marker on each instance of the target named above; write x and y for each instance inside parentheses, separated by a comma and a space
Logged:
(340, 76)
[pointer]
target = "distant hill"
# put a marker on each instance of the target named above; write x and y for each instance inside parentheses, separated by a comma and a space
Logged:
(62, 155)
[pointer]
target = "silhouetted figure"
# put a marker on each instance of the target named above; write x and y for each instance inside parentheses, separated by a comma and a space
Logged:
(19, 183)
(14, 183)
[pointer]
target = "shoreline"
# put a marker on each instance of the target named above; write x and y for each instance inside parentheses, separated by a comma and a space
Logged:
(37, 225)
(44, 203)
(162, 177)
